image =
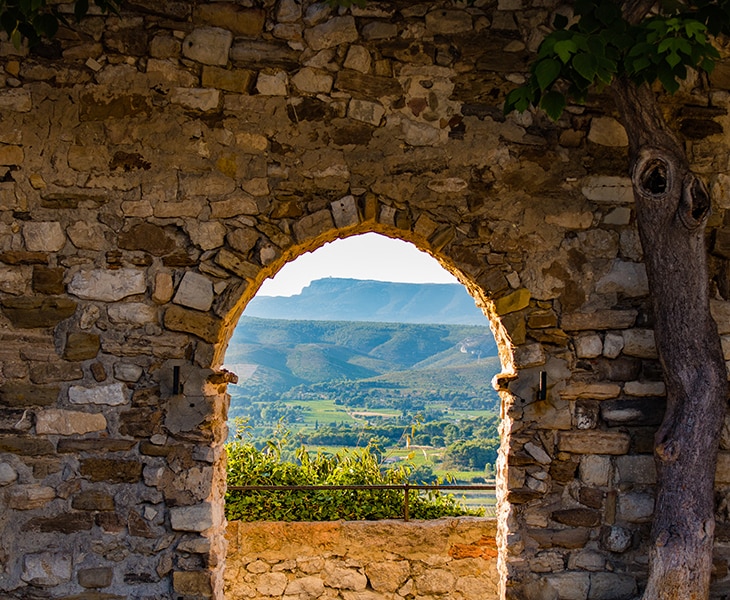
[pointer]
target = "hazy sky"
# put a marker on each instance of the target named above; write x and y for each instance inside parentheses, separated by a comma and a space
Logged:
(367, 256)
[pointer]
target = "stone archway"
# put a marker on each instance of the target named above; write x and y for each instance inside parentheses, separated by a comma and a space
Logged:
(177, 154)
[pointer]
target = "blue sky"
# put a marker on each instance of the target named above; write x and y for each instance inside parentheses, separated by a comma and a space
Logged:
(366, 256)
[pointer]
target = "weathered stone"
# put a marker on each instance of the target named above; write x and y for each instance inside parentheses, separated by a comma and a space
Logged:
(588, 346)
(238, 81)
(594, 442)
(16, 100)
(208, 45)
(275, 84)
(66, 446)
(577, 517)
(243, 239)
(195, 291)
(96, 577)
(236, 264)
(164, 288)
(607, 131)
(636, 507)
(21, 395)
(53, 372)
(570, 585)
(608, 319)
(343, 578)
(313, 81)
(305, 588)
(28, 313)
(575, 537)
(148, 238)
(30, 497)
(538, 453)
(358, 59)
(613, 344)
(366, 86)
(336, 31)
(627, 278)
(616, 539)
(193, 583)
(206, 327)
(47, 280)
(247, 22)
(110, 470)
(639, 343)
(7, 474)
(66, 422)
(109, 395)
(595, 470)
(127, 372)
(366, 111)
(448, 21)
(637, 469)
(202, 99)
(63, 523)
(81, 346)
(96, 500)
(26, 446)
(387, 576)
(132, 313)
(44, 236)
(194, 518)
(47, 568)
(612, 586)
(272, 584)
(107, 286)
(593, 391)
(615, 190)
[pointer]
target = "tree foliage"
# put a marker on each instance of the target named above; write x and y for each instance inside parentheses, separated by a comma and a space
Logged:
(37, 19)
(249, 465)
(598, 44)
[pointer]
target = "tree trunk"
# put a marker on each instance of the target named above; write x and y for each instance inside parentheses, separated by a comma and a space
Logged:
(672, 206)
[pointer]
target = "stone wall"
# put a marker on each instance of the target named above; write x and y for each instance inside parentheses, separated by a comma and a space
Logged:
(156, 166)
(363, 560)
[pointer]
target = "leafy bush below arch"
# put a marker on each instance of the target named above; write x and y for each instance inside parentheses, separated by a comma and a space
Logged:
(249, 465)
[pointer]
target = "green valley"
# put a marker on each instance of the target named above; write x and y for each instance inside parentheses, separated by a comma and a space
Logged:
(421, 392)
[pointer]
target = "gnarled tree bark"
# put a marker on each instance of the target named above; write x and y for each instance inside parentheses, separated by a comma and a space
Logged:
(672, 206)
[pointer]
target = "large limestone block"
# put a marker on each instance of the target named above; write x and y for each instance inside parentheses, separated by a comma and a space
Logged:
(640, 343)
(47, 569)
(67, 422)
(195, 518)
(208, 45)
(108, 395)
(636, 507)
(607, 131)
(106, 285)
(626, 278)
(331, 33)
(44, 236)
(594, 442)
(195, 291)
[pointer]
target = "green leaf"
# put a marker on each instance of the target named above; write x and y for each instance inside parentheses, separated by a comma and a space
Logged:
(667, 79)
(553, 104)
(564, 49)
(547, 71)
(673, 59)
(586, 66)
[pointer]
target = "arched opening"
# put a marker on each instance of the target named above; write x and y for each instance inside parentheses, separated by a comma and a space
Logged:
(247, 370)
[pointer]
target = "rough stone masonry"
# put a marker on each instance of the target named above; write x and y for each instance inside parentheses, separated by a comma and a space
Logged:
(157, 165)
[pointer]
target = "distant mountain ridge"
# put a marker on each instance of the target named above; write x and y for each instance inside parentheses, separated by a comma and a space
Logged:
(340, 299)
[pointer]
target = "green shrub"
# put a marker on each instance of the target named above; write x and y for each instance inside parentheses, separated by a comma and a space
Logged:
(249, 465)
